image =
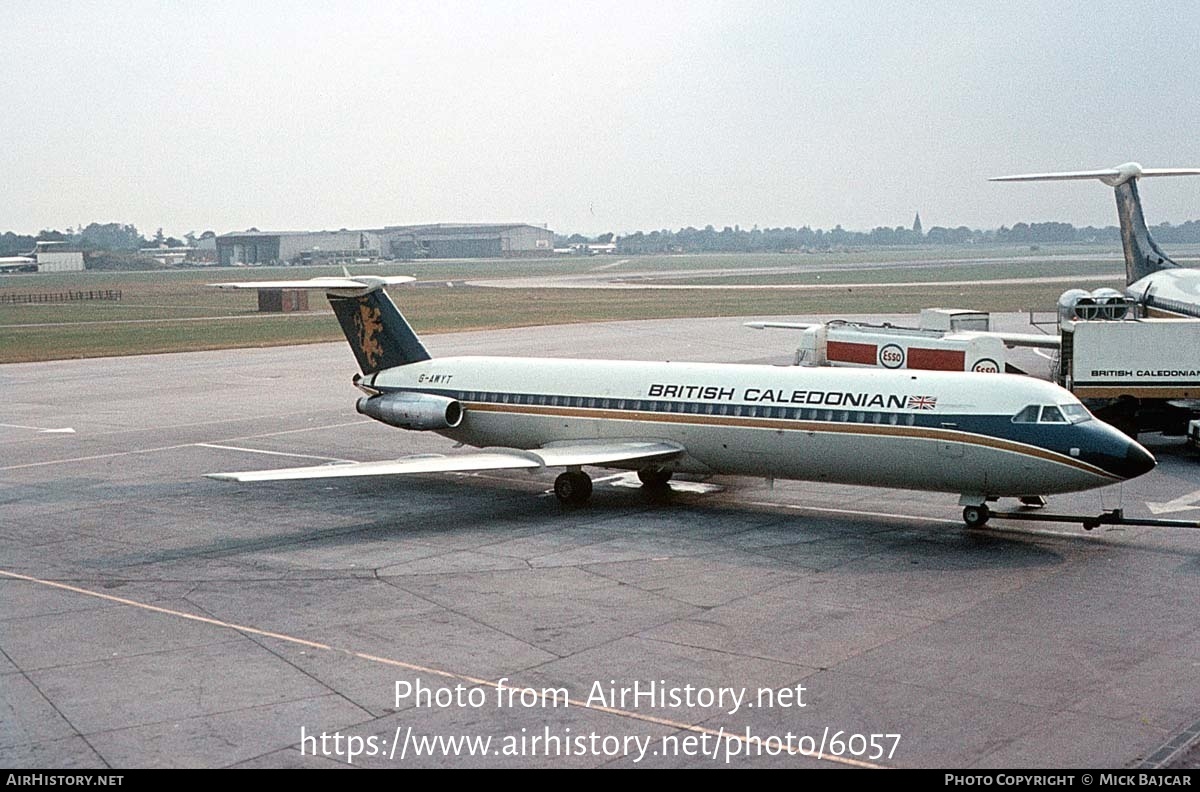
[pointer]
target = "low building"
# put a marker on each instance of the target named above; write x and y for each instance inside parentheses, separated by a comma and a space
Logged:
(438, 240)
(54, 257)
(461, 240)
(296, 247)
(168, 256)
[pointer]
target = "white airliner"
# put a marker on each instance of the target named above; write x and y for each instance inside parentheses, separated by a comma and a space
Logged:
(980, 437)
(1152, 279)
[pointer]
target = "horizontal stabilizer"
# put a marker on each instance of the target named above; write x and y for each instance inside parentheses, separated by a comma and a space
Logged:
(1110, 176)
(555, 455)
(356, 283)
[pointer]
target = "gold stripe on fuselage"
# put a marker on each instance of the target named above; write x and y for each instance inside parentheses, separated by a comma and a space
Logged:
(1156, 312)
(921, 432)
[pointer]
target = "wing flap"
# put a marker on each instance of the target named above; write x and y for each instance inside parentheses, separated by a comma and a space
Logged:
(557, 455)
(605, 453)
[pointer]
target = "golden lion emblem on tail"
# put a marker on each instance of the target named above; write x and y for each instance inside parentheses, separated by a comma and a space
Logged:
(368, 324)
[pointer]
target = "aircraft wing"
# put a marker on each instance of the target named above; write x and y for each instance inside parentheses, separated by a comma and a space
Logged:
(553, 455)
(1037, 340)
(781, 325)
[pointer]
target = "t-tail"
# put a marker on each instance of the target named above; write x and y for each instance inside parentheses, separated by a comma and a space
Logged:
(1143, 256)
(379, 335)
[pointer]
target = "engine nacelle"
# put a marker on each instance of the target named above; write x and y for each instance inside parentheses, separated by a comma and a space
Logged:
(420, 411)
(1077, 304)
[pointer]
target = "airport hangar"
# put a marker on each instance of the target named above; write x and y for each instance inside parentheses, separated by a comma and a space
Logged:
(438, 240)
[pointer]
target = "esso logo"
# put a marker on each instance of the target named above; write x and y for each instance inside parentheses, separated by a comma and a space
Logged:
(891, 356)
(986, 366)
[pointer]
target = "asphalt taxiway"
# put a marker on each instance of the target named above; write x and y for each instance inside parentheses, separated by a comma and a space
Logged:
(152, 617)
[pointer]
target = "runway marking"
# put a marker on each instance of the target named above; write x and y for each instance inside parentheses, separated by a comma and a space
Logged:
(632, 481)
(176, 447)
(1182, 503)
(272, 453)
(691, 727)
(294, 431)
(43, 430)
(610, 266)
(643, 280)
(96, 456)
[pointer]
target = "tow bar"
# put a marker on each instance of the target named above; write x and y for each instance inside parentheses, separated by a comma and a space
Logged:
(1113, 517)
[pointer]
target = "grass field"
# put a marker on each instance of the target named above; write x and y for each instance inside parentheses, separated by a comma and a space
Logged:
(171, 311)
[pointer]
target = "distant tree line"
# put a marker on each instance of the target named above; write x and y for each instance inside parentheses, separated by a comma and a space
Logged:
(739, 240)
(97, 237)
(118, 238)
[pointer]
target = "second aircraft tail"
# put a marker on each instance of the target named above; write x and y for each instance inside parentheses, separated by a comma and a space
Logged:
(1142, 255)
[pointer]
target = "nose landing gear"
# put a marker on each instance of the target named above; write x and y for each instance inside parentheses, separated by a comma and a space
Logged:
(976, 516)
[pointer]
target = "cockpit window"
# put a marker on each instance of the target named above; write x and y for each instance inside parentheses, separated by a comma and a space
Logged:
(1027, 415)
(1076, 413)
(1052, 415)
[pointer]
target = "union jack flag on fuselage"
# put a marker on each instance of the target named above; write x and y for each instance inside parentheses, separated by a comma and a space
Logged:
(922, 402)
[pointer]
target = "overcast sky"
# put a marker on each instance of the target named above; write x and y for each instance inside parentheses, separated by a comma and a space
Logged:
(588, 117)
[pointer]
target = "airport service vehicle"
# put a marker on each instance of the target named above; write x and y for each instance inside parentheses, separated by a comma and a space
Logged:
(980, 437)
(946, 339)
(1141, 375)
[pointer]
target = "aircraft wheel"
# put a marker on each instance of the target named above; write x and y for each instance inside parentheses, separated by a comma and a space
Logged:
(976, 516)
(573, 487)
(654, 477)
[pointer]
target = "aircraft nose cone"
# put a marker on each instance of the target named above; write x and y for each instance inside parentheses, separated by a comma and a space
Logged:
(1137, 462)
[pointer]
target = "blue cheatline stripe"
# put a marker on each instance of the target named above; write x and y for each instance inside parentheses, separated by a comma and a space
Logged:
(987, 430)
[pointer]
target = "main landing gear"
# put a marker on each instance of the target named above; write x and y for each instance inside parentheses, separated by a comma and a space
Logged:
(573, 487)
(654, 478)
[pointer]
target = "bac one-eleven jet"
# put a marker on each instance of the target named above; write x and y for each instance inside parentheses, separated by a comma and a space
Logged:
(982, 436)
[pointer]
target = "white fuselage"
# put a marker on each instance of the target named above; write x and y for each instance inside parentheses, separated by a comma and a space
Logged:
(940, 431)
(1168, 292)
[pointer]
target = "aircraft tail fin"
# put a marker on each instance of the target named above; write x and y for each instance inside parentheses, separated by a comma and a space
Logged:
(1142, 254)
(379, 335)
